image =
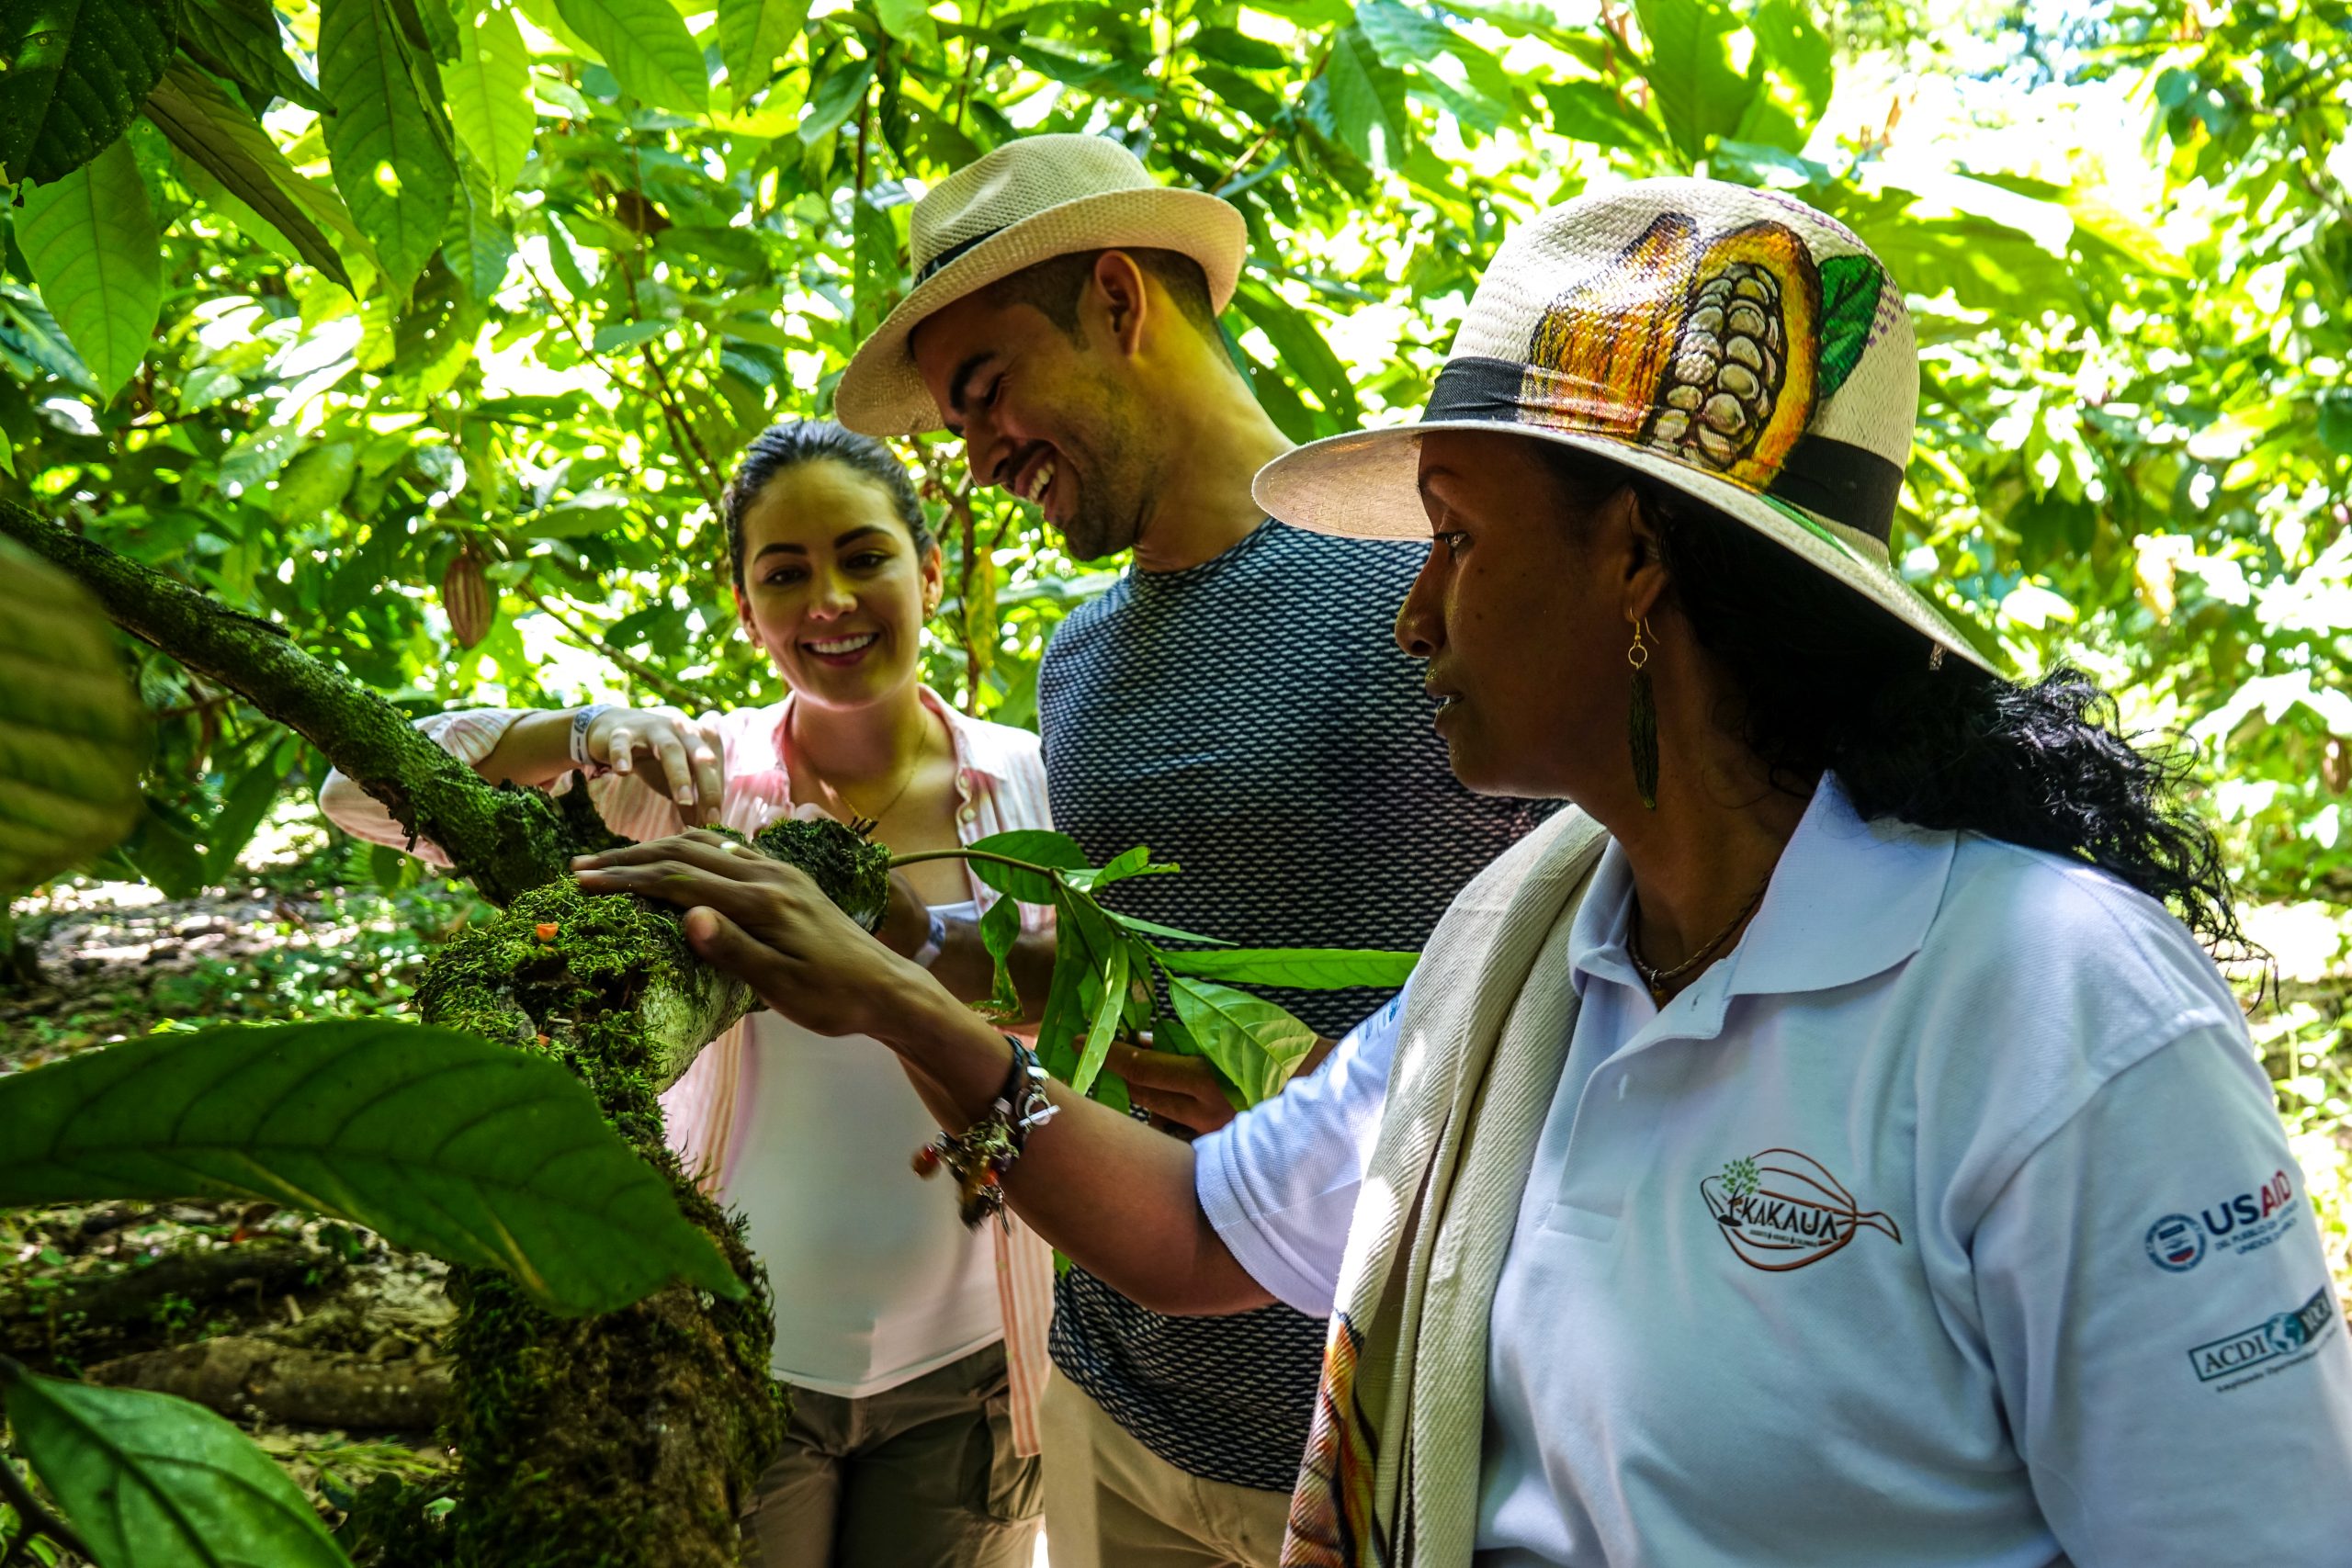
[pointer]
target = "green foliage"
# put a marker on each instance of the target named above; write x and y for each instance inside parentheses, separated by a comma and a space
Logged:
(72, 74)
(89, 238)
(530, 285)
(477, 1152)
(1113, 981)
(154, 1482)
(71, 733)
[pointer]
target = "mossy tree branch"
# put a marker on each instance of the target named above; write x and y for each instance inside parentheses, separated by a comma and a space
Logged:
(504, 840)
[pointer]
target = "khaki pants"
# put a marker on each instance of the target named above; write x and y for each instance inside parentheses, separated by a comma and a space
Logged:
(923, 1475)
(1112, 1503)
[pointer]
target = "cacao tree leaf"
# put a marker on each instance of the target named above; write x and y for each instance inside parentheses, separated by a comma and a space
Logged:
(1148, 928)
(1592, 111)
(1700, 96)
(239, 40)
(646, 45)
(1000, 929)
(478, 1154)
(478, 245)
(1304, 356)
(489, 89)
(1299, 968)
(90, 238)
(71, 76)
(1399, 35)
(1252, 1042)
(1097, 1049)
(1367, 100)
(241, 816)
(908, 20)
(151, 1480)
(390, 157)
(1136, 861)
(1056, 850)
(835, 97)
(1794, 50)
(753, 36)
(73, 733)
(226, 142)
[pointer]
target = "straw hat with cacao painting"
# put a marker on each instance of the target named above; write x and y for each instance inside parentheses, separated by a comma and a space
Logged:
(1734, 343)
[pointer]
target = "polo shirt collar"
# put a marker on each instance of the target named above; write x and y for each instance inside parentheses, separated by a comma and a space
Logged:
(1848, 900)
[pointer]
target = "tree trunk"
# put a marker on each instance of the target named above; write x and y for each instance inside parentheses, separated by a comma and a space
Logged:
(629, 1438)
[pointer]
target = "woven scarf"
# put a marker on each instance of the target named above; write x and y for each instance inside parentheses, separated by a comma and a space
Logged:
(1390, 1479)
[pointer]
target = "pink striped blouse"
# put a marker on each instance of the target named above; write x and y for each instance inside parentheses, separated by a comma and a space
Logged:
(1000, 785)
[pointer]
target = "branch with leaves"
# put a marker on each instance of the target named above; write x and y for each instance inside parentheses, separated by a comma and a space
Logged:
(1117, 977)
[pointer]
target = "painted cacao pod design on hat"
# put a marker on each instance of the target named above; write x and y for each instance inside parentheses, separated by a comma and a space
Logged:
(465, 597)
(1780, 1210)
(1714, 351)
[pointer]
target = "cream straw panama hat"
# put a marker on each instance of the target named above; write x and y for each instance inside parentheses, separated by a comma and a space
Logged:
(1732, 342)
(1028, 201)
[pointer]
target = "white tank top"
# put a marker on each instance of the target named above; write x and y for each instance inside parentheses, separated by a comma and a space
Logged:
(876, 1281)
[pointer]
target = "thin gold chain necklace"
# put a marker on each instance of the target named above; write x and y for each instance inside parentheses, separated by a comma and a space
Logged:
(1658, 980)
(906, 781)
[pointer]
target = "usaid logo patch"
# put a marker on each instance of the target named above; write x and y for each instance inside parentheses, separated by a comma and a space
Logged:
(2244, 1223)
(2277, 1341)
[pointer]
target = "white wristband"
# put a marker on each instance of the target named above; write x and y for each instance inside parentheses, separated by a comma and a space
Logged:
(576, 747)
(927, 953)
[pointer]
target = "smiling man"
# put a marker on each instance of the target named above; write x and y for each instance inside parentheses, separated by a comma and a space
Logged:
(1237, 701)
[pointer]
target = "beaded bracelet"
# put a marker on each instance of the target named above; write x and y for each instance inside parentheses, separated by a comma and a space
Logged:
(982, 1153)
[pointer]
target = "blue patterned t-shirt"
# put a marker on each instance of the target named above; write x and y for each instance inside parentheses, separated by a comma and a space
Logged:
(1252, 719)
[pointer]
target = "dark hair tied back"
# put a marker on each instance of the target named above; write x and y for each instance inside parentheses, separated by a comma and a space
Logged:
(1828, 681)
(798, 441)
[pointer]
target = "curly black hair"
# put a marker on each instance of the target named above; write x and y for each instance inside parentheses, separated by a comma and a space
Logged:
(797, 441)
(1826, 679)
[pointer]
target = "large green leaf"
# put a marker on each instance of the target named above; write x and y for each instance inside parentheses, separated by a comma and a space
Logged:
(154, 1482)
(391, 156)
(1057, 852)
(488, 88)
(226, 143)
(646, 44)
(1097, 1049)
(73, 734)
(478, 1154)
(753, 36)
(1304, 356)
(1399, 35)
(90, 238)
(1252, 1042)
(72, 75)
(1700, 96)
(1367, 99)
(1300, 968)
(478, 246)
(239, 40)
(833, 98)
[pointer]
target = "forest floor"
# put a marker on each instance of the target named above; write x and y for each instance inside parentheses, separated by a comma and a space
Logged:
(326, 1343)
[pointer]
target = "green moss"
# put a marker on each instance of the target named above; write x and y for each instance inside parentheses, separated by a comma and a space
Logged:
(853, 872)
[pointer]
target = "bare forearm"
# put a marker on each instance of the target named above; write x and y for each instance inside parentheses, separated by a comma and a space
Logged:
(535, 751)
(1110, 1193)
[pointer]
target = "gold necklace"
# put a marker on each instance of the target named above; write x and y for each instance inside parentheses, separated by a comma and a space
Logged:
(1658, 980)
(906, 783)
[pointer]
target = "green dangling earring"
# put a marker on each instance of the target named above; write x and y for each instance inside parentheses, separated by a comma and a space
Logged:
(1641, 721)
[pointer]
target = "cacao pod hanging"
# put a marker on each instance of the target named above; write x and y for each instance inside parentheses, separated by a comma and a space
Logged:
(466, 597)
(2336, 764)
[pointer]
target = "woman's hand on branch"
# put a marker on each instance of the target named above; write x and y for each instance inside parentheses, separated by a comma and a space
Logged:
(770, 926)
(679, 756)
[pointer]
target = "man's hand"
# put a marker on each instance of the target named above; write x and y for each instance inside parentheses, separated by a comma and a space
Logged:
(1181, 1090)
(768, 924)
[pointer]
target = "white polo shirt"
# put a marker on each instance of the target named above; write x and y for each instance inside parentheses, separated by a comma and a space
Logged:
(1947, 1220)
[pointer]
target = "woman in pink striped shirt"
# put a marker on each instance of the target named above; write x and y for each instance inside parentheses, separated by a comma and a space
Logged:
(915, 1348)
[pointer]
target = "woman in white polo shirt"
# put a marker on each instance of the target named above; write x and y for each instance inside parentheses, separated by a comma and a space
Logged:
(1825, 1148)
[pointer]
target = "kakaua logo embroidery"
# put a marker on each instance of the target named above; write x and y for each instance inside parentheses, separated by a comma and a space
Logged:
(1780, 1210)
